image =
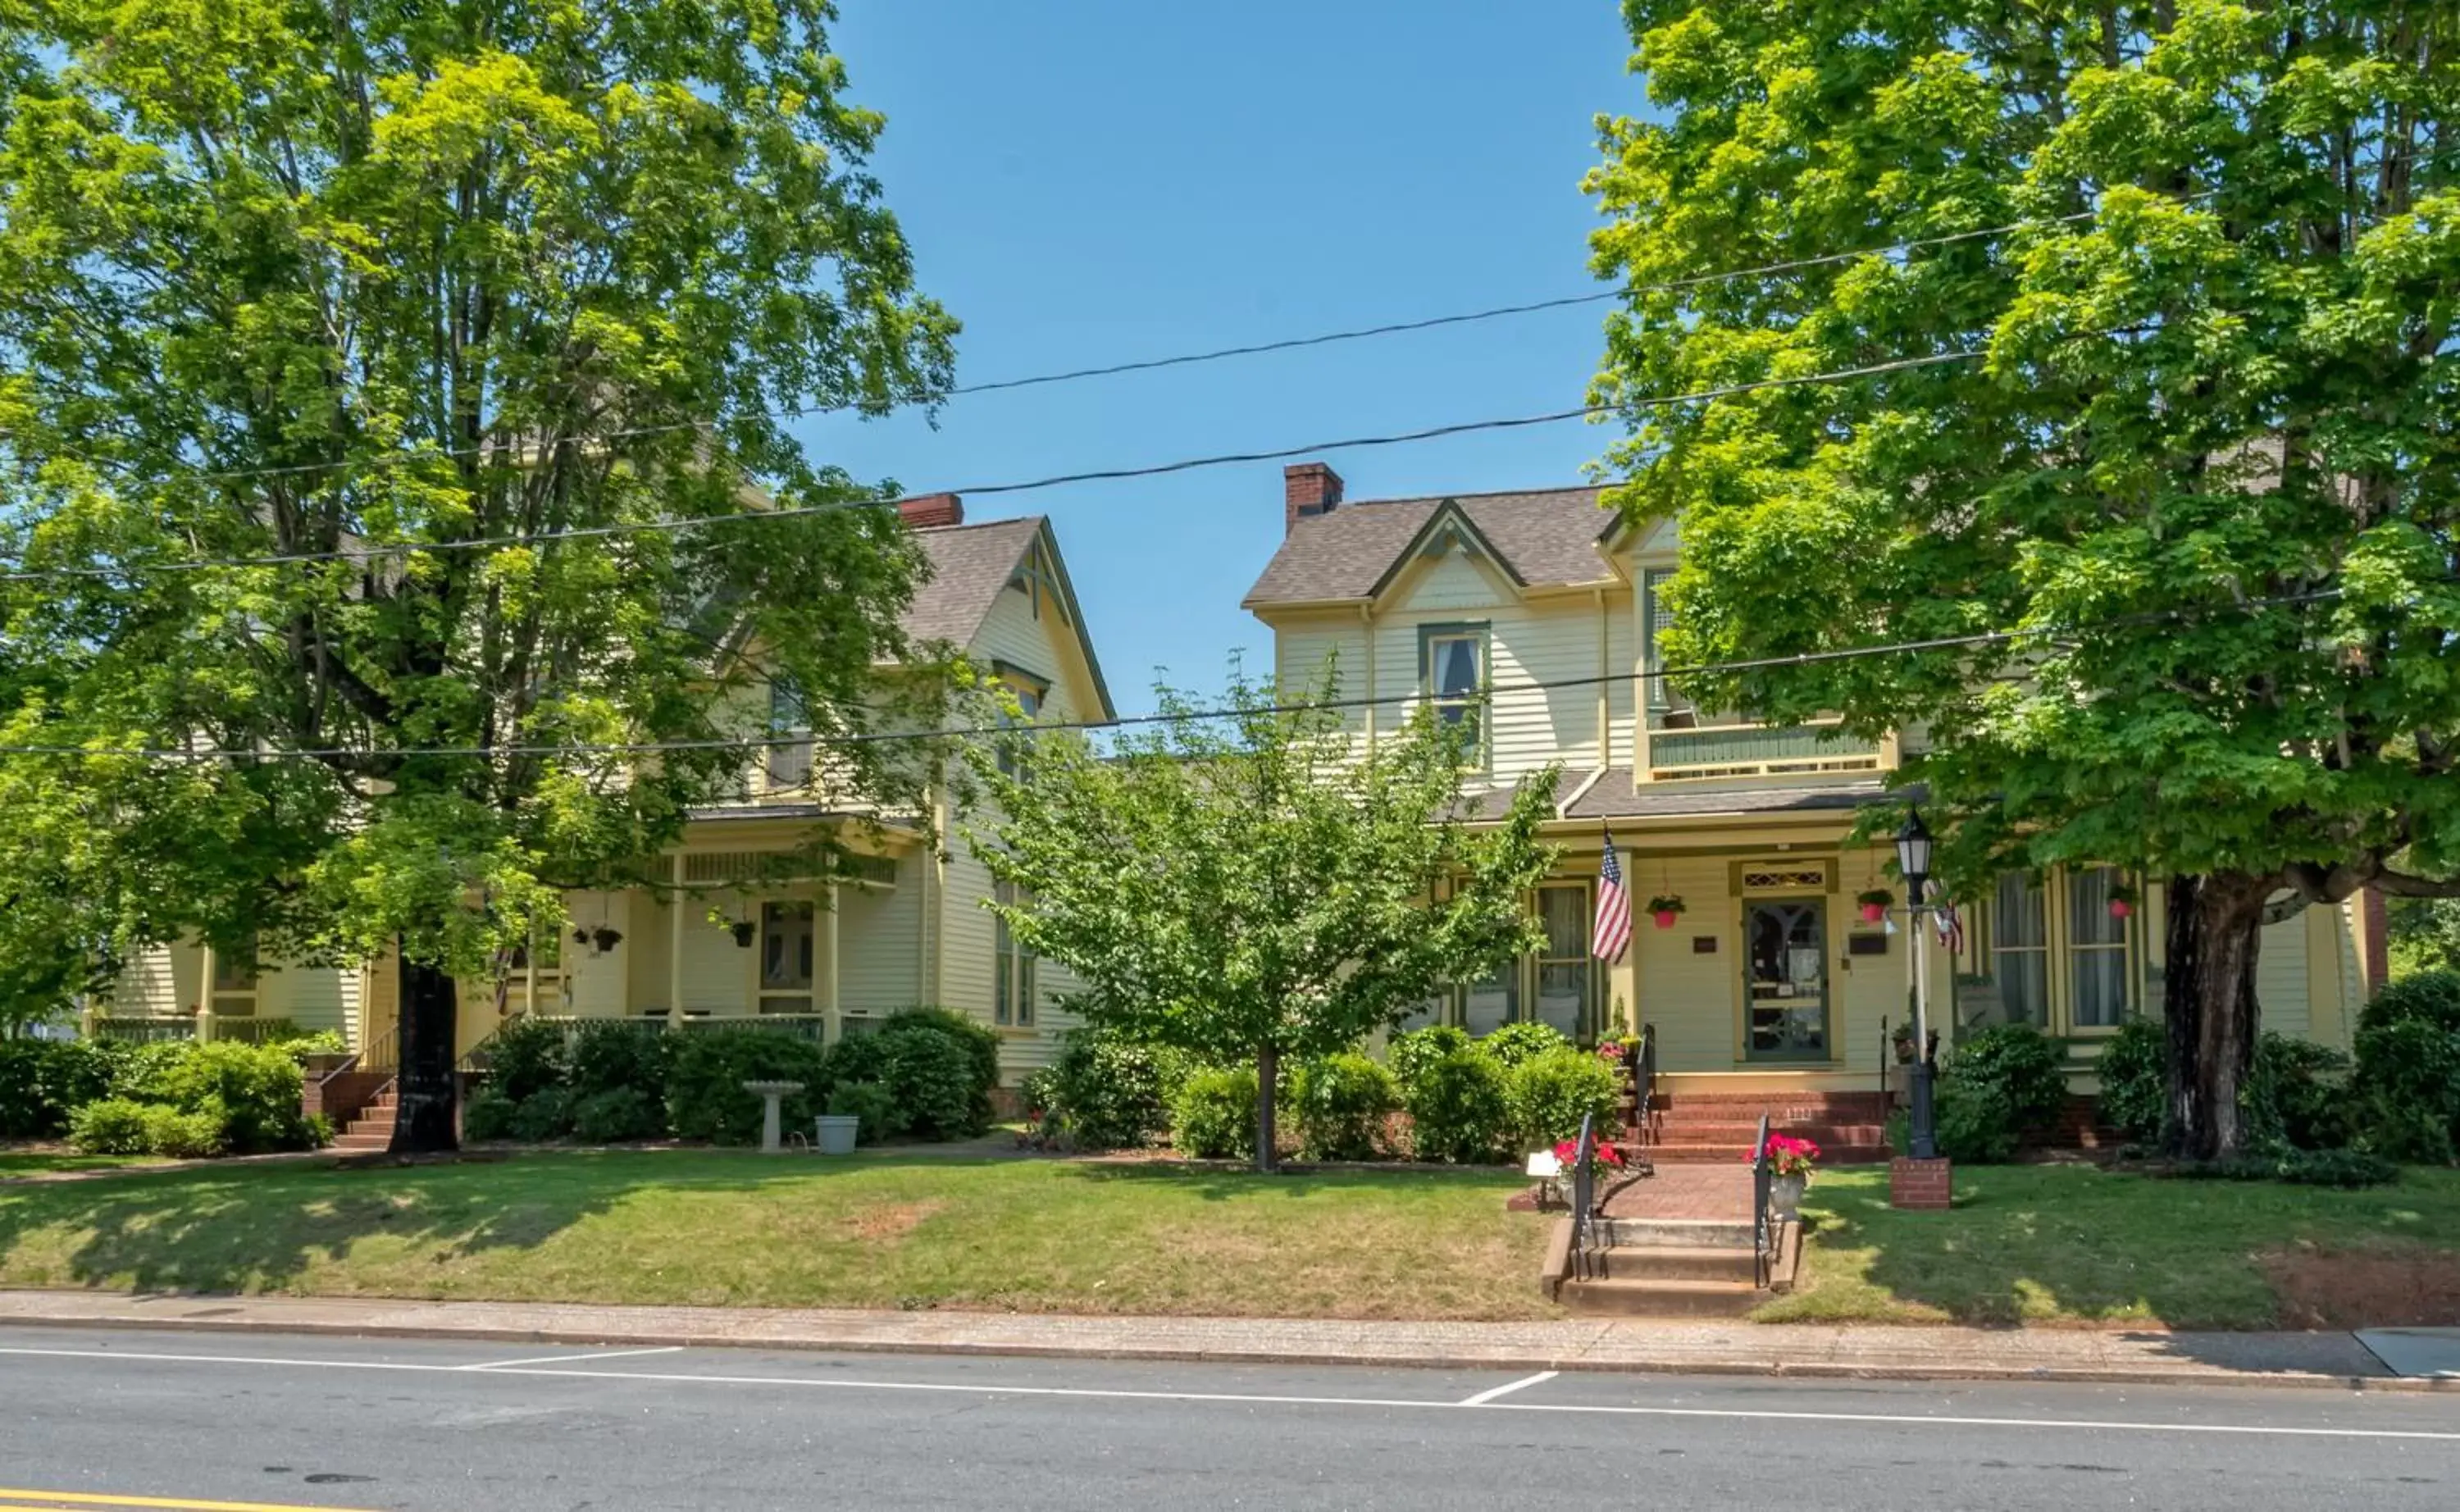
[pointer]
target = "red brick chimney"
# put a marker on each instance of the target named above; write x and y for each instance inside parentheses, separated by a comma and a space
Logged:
(1308, 489)
(932, 511)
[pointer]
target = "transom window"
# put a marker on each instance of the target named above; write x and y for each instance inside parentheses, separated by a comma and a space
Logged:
(1455, 671)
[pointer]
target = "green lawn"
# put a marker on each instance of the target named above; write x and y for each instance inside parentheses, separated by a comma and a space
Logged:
(881, 1230)
(2071, 1244)
(20, 1161)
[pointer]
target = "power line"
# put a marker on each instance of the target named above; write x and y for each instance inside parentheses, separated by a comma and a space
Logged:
(747, 743)
(1223, 353)
(1104, 475)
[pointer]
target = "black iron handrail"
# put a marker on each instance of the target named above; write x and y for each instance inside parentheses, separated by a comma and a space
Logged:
(1644, 1085)
(1763, 1201)
(1584, 1198)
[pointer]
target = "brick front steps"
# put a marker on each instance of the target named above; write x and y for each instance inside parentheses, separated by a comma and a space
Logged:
(373, 1128)
(1851, 1128)
(1670, 1267)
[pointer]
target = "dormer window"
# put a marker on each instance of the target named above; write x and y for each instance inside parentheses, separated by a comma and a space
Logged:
(1452, 661)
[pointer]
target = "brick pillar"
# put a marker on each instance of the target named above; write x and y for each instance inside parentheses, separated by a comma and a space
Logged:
(1919, 1186)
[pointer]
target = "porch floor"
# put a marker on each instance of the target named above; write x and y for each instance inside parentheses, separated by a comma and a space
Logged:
(1685, 1192)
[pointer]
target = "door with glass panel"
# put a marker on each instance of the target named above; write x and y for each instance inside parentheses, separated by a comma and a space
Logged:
(786, 935)
(1563, 972)
(1785, 979)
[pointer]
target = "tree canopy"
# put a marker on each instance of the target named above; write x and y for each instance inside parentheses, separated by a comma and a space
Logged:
(1241, 882)
(425, 322)
(2204, 454)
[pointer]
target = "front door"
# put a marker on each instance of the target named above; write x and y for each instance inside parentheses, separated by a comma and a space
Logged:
(1785, 979)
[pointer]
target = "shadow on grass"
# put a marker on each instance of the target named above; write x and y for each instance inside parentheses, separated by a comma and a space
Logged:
(239, 1229)
(2072, 1245)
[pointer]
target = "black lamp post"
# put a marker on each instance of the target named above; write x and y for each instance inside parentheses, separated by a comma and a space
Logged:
(1913, 858)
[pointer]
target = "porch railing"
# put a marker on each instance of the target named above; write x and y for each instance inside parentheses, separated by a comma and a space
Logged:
(256, 1030)
(814, 1026)
(1584, 1197)
(142, 1029)
(1763, 1204)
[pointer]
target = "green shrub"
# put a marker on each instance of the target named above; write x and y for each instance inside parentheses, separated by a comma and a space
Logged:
(544, 1115)
(615, 1116)
(1108, 1092)
(191, 1136)
(255, 1088)
(109, 1126)
(42, 1081)
(299, 1046)
(981, 1044)
(2343, 1168)
(2407, 1090)
(617, 1055)
(527, 1055)
(2001, 1084)
(2134, 1070)
(1412, 1054)
(2431, 997)
(1213, 1116)
(1547, 1096)
(1457, 1109)
(1343, 1103)
(705, 1077)
(2297, 1096)
(935, 1081)
(1527, 1040)
(870, 1102)
(487, 1114)
(1972, 1121)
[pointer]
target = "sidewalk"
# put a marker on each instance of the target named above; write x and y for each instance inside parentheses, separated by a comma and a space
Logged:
(1786, 1349)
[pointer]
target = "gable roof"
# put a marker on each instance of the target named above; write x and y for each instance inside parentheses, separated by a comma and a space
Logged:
(971, 564)
(1544, 538)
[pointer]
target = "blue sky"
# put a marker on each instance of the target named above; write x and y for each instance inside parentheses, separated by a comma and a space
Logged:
(1095, 181)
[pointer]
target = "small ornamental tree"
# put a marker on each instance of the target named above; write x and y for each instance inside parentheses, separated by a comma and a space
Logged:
(2168, 389)
(1248, 884)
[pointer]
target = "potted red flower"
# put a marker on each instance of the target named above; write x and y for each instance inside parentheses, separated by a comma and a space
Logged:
(1875, 904)
(2122, 901)
(1665, 907)
(1791, 1163)
(1567, 1151)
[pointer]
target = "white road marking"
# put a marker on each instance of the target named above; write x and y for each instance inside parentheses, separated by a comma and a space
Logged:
(1506, 1389)
(1113, 1393)
(565, 1359)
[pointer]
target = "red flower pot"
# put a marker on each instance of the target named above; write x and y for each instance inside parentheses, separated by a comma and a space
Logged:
(1874, 912)
(2120, 907)
(1666, 918)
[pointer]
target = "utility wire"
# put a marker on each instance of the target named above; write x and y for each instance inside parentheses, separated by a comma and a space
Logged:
(1223, 353)
(1104, 475)
(1055, 727)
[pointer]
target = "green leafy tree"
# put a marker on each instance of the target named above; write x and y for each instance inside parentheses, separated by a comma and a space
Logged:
(2425, 934)
(2204, 452)
(1243, 883)
(418, 284)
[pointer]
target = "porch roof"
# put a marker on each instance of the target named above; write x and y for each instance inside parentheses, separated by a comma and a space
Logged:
(1614, 795)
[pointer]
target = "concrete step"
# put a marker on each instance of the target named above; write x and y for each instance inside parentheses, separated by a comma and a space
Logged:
(1671, 1154)
(1663, 1299)
(1677, 1233)
(1680, 1263)
(363, 1142)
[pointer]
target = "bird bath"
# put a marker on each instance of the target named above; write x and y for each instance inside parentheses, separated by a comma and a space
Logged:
(772, 1140)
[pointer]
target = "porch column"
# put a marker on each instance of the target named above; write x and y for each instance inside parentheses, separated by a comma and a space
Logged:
(675, 951)
(830, 1026)
(204, 995)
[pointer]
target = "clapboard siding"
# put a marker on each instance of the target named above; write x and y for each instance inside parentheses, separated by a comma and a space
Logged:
(2281, 977)
(594, 984)
(159, 979)
(879, 931)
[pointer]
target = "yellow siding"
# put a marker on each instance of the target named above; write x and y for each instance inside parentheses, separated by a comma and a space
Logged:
(161, 979)
(1693, 1000)
(315, 998)
(2281, 977)
(878, 935)
(594, 984)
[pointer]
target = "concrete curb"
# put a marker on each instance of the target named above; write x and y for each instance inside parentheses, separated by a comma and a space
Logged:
(894, 1333)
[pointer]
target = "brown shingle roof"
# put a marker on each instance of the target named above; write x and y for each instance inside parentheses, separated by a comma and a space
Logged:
(1545, 537)
(970, 566)
(1614, 795)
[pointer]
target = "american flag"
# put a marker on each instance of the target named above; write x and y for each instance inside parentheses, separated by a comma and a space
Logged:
(1951, 927)
(1613, 930)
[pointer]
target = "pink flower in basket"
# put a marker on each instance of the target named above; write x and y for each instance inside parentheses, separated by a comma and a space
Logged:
(1789, 1156)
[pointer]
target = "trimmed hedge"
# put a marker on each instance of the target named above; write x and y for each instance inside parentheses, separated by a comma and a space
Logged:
(1524, 1040)
(1547, 1096)
(1459, 1109)
(1108, 1093)
(1999, 1085)
(1412, 1053)
(1344, 1103)
(1213, 1116)
(705, 1077)
(2405, 1089)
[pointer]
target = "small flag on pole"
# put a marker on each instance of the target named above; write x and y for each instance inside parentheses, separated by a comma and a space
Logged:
(1612, 930)
(1951, 927)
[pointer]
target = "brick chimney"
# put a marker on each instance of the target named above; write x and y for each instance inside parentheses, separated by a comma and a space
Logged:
(932, 511)
(1308, 489)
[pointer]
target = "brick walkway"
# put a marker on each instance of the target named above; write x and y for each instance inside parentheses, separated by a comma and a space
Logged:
(1686, 1191)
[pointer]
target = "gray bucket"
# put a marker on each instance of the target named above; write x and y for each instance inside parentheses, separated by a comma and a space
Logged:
(835, 1133)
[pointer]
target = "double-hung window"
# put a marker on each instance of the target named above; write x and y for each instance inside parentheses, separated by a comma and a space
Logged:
(1453, 662)
(1028, 701)
(2097, 954)
(2019, 947)
(789, 735)
(2061, 959)
(1012, 991)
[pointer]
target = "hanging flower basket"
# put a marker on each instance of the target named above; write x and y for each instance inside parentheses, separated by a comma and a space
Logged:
(1666, 908)
(2122, 901)
(1874, 904)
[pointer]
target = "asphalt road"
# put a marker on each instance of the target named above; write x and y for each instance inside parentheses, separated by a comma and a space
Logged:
(89, 1419)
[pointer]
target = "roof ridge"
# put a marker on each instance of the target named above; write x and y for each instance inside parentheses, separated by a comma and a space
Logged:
(1487, 493)
(979, 524)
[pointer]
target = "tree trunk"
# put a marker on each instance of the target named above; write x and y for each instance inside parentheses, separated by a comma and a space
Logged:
(2209, 1008)
(1268, 1076)
(430, 1016)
